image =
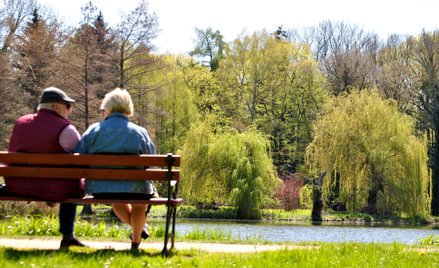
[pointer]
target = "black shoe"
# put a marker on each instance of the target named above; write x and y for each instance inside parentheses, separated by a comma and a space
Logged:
(144, 234)
(3, 190)
(135, 246)
(65, 244)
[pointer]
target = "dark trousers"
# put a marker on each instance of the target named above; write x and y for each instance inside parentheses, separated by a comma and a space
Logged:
(67, 215)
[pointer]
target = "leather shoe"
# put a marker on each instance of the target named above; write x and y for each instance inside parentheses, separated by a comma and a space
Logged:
(135, 246)
(65, 244)
(145, 233)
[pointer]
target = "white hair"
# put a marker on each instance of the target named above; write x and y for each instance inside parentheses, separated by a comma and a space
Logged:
(48, 106)
(118, 101)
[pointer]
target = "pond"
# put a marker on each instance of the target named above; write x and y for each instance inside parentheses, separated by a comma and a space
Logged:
(293, 232)
(272, 231)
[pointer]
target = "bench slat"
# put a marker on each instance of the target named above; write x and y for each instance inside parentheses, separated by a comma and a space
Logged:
(87, 159)
(152, 201)
(75, 173)
(75, 166)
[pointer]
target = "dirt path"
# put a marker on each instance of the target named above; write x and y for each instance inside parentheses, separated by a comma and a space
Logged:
(42, 243)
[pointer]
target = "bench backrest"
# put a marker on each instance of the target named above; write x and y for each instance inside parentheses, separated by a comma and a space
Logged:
(74, 166)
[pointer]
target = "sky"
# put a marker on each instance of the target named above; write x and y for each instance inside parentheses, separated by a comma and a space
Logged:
(178, 18)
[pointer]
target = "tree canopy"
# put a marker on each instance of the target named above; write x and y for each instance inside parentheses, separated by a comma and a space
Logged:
(372, 155)
(228, 168)
(259, 93)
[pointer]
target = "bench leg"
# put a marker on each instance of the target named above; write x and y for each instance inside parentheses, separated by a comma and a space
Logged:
(174, 216)
(168, 223)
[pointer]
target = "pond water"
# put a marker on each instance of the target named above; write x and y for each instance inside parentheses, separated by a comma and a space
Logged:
(301, 232)
(292, 232)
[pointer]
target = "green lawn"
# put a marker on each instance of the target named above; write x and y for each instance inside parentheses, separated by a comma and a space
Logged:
(319, 255)
(316, 255)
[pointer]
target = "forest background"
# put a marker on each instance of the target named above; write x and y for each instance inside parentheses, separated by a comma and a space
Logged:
(255, 119)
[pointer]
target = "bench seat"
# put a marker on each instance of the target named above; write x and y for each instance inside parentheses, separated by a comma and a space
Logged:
(163, 168)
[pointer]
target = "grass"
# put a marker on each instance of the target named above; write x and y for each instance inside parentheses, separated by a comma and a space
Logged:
(367, 218)
(48, 226)
(314, 254)
(212, 235)
(283, 215)
(320, 255)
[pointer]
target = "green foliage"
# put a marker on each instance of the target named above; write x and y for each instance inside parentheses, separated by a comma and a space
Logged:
(101, 229)
(223, 212)
(204, 86)
(48, 226)
(284, 215)
(218, 236)
(424, 64)
(430, 240)
(229, 213)
(247, 193)
(305, 196)
(199, 183)
(372, 154)
(208, 234)
(167, 109)
(209, 49)
(10, 208)
(274, 86)
(33, 225)
(228, 167)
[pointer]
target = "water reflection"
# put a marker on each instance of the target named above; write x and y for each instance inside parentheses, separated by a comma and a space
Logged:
(325, 233)
(307, 232)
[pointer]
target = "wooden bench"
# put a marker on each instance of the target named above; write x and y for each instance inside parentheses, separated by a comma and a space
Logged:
(74, 166)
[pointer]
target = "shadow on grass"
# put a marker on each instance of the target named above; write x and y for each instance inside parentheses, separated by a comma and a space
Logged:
(12, 254)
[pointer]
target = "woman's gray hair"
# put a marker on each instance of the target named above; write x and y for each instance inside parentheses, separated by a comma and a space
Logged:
(118, 101)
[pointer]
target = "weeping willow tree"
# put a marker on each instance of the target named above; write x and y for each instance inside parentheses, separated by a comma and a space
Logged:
(228, 168)
(164, 105)
(374, 160)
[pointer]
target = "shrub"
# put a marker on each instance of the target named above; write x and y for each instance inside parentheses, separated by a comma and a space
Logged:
(306, 196)
(288, 192)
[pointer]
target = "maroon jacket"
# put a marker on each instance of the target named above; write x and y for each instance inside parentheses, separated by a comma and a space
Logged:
(39, 133)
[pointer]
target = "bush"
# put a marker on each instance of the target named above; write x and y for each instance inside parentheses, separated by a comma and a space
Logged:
(288, 192)
(10, 209)
(306, 196)
(228, 168)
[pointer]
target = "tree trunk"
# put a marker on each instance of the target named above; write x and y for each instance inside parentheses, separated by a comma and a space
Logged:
(434, 165)
(316, 215)
(372, 196)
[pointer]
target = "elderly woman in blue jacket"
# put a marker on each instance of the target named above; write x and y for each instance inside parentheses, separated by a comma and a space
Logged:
(117, 135)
